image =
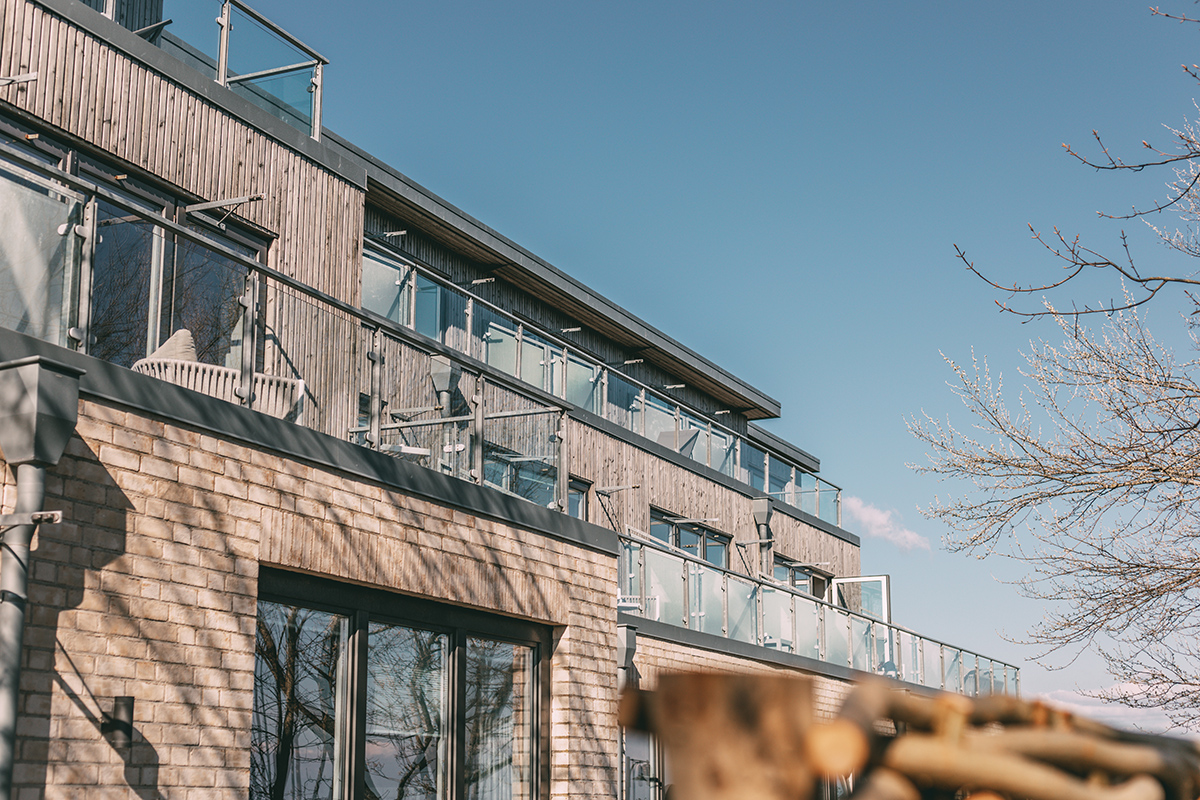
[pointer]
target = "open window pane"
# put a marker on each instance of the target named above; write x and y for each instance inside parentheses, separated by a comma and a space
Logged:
(296, 739)
(497, 337)
(406, 743)
(499, 721)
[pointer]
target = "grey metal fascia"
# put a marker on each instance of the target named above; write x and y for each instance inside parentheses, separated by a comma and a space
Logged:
(652, 629)
(769, 440)
(155, 58)
(404, 187)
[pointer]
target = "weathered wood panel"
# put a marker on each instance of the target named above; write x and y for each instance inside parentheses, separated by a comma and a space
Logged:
(92, 91)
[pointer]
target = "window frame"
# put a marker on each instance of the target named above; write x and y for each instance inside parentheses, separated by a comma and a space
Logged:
(364, 605)
(660, 517)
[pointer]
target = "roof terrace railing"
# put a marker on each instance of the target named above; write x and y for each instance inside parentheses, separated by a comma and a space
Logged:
(248, 53)
(659, 582)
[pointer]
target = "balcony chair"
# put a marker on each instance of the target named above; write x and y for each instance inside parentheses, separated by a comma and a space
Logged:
(175, 362)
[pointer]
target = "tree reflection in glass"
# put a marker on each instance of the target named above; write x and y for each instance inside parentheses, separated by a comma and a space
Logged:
(406, 719)
(128, 255)
(499, 720)
(295, 751)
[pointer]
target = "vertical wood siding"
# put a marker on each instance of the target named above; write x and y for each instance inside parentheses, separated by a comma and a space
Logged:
(88, 89)
(607, 461)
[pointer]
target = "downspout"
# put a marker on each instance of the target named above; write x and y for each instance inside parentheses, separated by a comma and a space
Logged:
(762, 521)
(39, 404)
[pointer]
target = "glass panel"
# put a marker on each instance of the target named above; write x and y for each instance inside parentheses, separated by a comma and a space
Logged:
(624, 405)
(520, 456)
(499, 721)
(932, 664)
(743, 610)
(298, 716)
(970, 669)
(829, 500)
(837, 632)
(723, 453)
(693, 437)
(36, 261)
(716, 551)
(753, 469)
(778, 625)
(428, 308)
(583, 381)
(708, 600)
(807, 490)
(406, 713)
(631, 577)
(664, 587)
(127, 261)
(203, 294)
(986, 668)
(661, 529)
(860, 644)
(781, 480)
(386, 288)
(910, 657)
(885, 651)
(497, 337)
(639, 766)
(253, 48)
(541, 363)
(690, 540)
(660, 421)
(952, 659)
(808, 628)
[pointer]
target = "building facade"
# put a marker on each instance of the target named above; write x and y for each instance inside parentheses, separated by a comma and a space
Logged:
(363, 499)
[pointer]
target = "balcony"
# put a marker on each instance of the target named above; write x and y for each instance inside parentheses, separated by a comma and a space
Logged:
(659, 583)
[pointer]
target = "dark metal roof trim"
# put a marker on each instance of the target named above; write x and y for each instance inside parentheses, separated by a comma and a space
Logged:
(764, 438)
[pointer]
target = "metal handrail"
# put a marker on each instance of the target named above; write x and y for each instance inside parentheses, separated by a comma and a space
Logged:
(668, 549)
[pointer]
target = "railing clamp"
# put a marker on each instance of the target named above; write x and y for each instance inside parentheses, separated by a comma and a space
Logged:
(30, 518)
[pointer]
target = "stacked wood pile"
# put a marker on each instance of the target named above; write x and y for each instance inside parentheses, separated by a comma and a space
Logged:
(736, 737)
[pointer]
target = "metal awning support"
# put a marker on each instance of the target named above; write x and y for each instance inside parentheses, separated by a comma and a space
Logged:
(25, 77)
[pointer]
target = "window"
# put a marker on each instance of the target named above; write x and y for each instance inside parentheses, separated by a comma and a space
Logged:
(577, 498)
(693, 539)
(449, 704)
(800, 577)
(386, 287)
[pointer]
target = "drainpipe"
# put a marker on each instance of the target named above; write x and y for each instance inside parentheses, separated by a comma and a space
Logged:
(762, 521)
(39, 404)
(445, 374)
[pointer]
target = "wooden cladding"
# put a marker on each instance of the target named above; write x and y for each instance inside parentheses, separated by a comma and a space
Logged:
(606, 460)
(88, 89)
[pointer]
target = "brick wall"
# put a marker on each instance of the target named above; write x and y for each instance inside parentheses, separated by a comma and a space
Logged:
(655, 657)
(149, 588)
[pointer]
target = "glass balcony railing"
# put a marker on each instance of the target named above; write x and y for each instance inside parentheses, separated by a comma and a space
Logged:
(659, 584)
(123, 282)
(396, 288)
(184, 304)
(238, 47)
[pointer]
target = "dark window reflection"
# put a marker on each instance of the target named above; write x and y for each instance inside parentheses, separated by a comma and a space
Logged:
(406, 713)
(499, 720)
(296, 727)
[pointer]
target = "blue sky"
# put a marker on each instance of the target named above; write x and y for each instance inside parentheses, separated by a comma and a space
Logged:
(778, 186)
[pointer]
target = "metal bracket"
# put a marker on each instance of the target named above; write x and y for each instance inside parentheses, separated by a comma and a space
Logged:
(30, 518)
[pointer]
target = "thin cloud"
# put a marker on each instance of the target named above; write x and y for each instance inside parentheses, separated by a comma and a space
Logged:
(880, 524)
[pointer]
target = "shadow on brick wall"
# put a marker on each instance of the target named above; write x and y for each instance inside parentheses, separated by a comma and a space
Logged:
(67, 641)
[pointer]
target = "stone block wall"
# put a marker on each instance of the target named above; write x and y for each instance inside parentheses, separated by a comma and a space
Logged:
(149, 589)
